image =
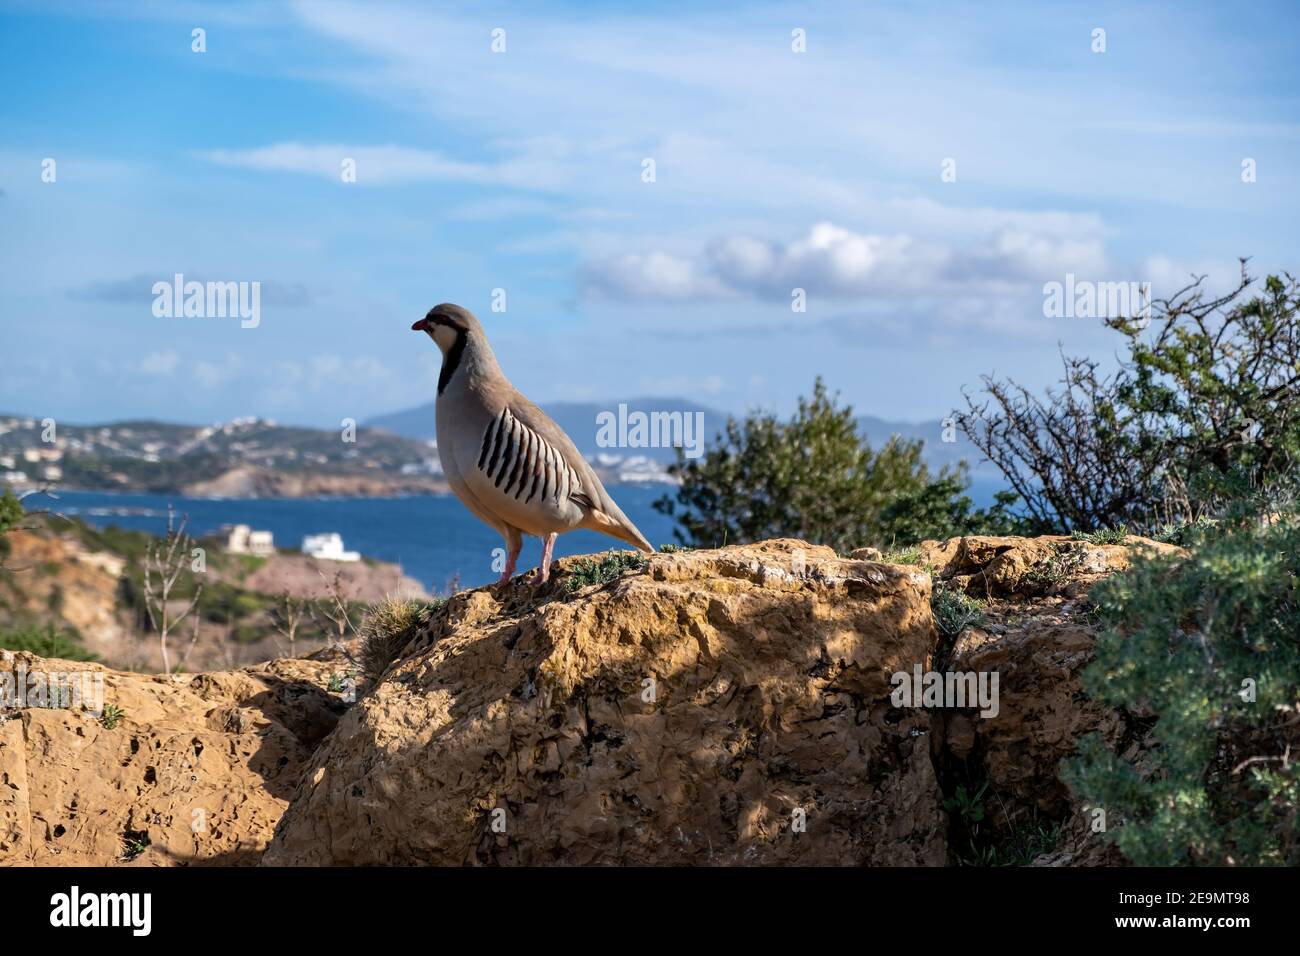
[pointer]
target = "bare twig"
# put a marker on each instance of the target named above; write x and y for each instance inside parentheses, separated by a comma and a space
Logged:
(165, 559)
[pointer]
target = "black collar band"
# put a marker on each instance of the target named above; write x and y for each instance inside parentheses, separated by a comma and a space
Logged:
(451, 361)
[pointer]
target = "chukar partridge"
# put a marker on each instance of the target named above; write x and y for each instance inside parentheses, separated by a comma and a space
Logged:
(505, 458)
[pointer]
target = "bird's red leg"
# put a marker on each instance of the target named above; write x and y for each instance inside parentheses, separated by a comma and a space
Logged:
(511, 557)
(544, 572)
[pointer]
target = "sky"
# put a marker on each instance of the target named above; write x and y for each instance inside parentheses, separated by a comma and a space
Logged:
(918, 170)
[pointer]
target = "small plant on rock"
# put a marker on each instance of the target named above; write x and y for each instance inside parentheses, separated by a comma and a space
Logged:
(969, 805)
(133, 844)
(1115, 535)
(112, 716)
(910, 555)
(954, 610)
(389, 626)
(610, 566)
(1065, 561)
(1185, 533)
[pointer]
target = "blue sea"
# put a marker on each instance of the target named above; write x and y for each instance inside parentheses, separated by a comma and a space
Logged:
(433, 538)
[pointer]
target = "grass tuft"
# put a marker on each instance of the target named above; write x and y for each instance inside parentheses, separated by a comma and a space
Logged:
(388, 627)
(909, 555)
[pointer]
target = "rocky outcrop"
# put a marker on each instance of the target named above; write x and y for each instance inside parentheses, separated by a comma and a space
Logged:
(991, 566)
(725, 707)
(722, 707)
(177, 770)
(1037, 635)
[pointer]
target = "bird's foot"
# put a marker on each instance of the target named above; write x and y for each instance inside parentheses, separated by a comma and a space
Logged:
(544, 569)
(508, 571)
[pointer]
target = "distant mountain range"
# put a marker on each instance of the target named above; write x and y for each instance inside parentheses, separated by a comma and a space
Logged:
(579, 421)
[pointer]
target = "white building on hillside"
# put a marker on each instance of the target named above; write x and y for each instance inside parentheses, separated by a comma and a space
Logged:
(243, 540)
(327, 547)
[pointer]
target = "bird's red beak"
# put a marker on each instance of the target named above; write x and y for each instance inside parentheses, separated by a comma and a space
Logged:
(421, 326)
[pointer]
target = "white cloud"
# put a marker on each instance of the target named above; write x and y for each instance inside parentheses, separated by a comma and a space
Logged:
(1014, 254)
(1168, 276)
(160, 363)
(656, 275)
(830, 259)
(833, 261)
(390, 164)
(212, 374)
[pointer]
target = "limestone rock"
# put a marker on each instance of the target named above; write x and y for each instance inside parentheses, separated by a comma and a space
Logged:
(994, 566)
(717, 707)
(722, 707)
(197, 771)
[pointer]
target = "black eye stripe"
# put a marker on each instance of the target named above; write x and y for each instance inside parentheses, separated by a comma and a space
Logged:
(448, 321)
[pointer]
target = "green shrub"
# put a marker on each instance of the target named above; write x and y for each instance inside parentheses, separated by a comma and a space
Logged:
(225, 603)
(1200, 412)
(11, 512)
(1182, 641)
(954, 610)
(815, 477)
(1185, 534)
(940, 509)
(45, 642)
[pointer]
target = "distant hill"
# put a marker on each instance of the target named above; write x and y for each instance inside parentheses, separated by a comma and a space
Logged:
(578, 419)
(246, 457)
(388, 455)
